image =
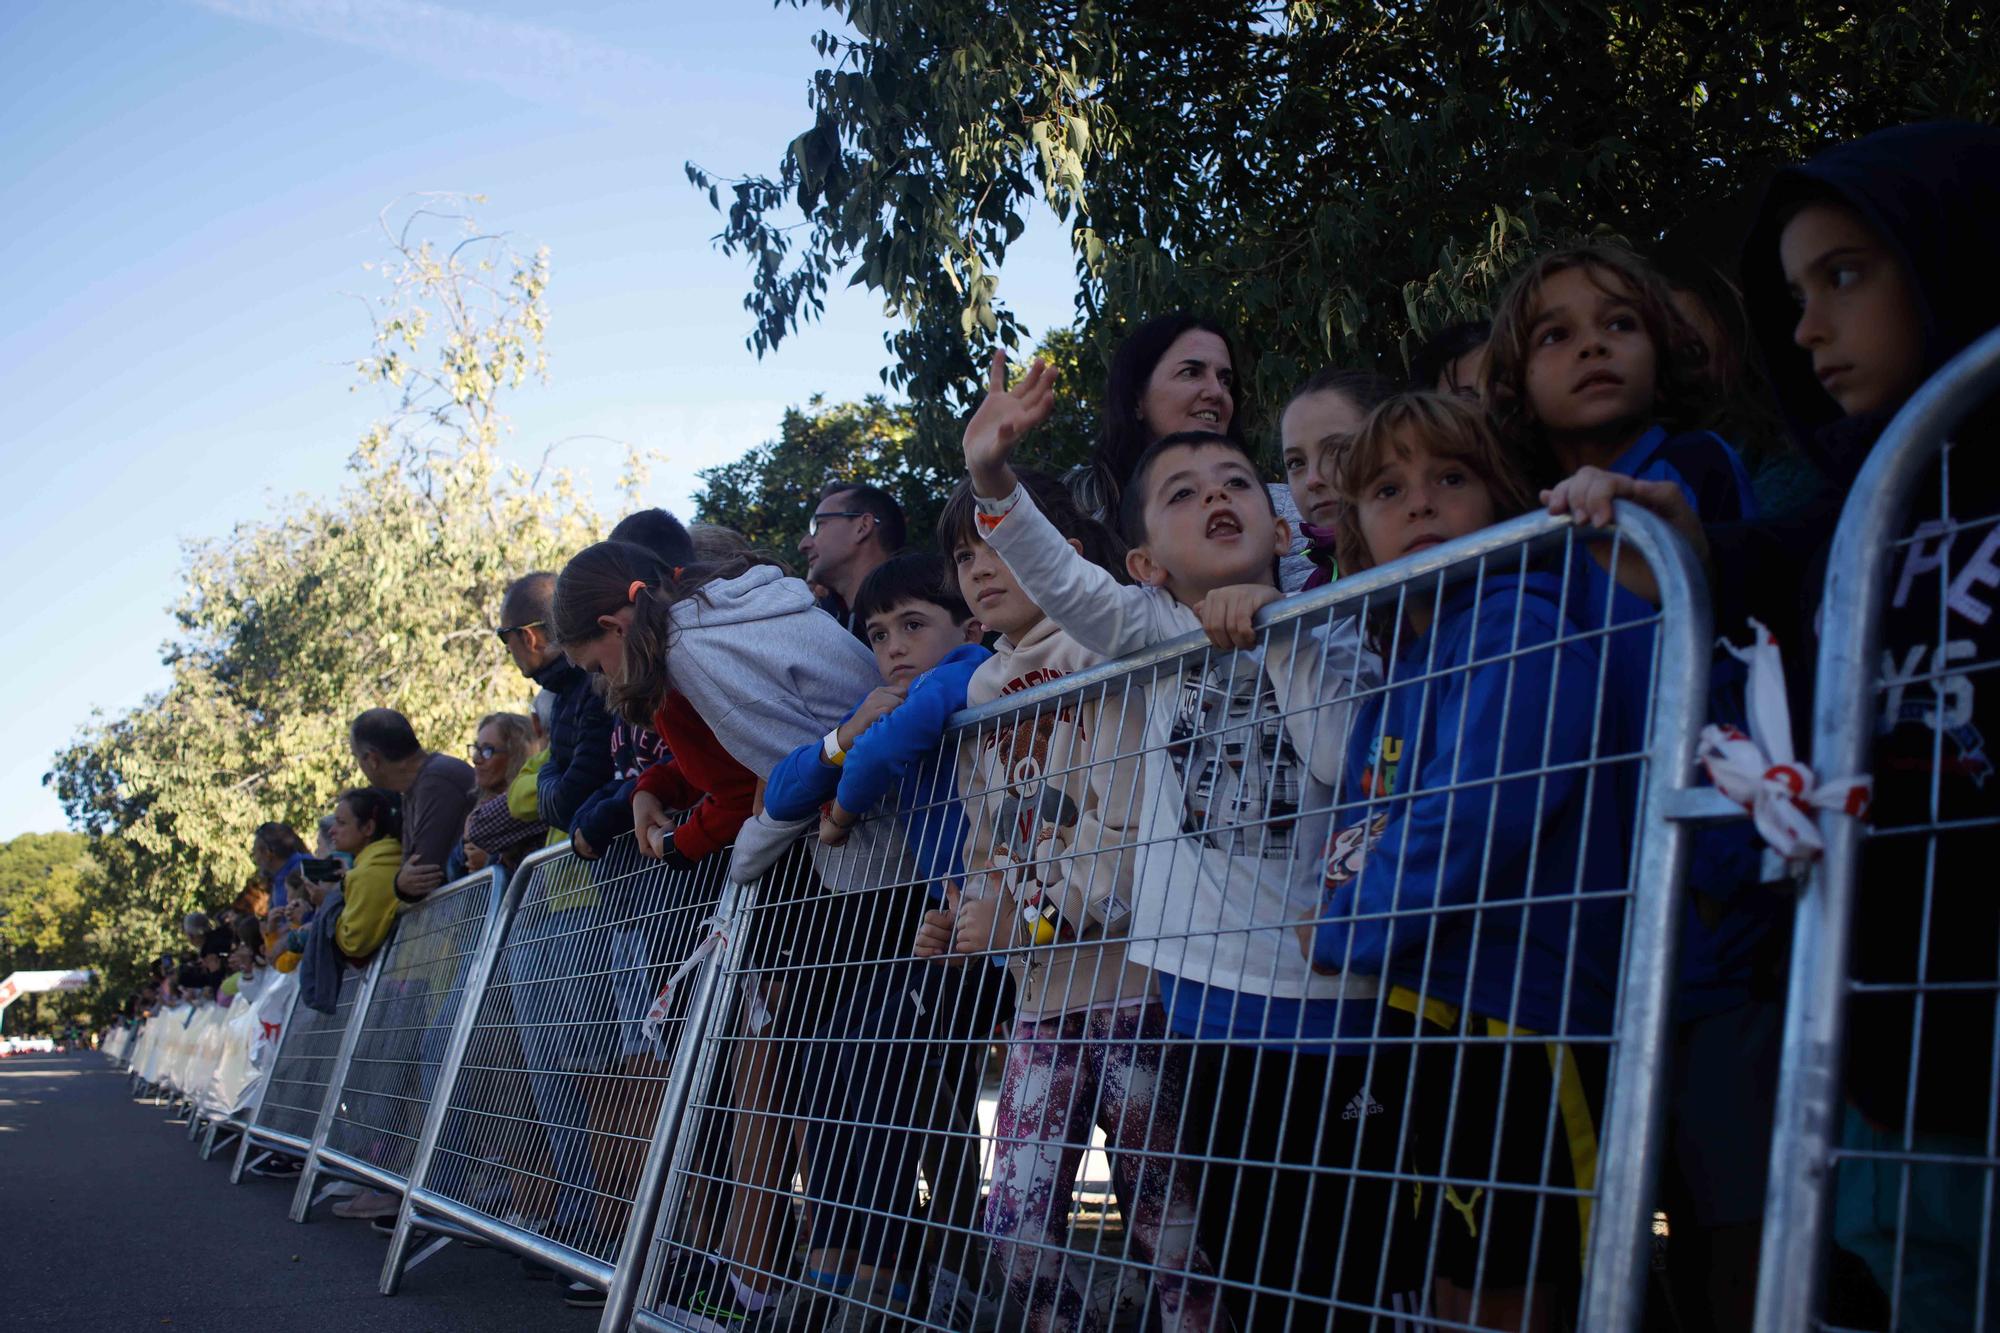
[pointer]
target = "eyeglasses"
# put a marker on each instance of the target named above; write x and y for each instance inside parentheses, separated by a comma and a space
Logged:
(484, 751)
(505, 630)
(812, 525)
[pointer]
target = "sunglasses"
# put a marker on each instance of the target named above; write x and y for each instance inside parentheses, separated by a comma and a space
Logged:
(505, 630)
(812, 524)
(484, 751)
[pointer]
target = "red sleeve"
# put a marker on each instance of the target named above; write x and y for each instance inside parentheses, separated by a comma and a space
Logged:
(666, 781)
(721, 791)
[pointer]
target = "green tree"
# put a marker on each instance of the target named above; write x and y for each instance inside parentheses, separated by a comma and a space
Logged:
(1333, 178)
(54, 913)
(383, 594)
(768, 494)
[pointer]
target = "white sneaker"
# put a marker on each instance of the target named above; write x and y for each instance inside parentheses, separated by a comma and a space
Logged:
(958, 1305)
(369, 1203)
(340, 1189)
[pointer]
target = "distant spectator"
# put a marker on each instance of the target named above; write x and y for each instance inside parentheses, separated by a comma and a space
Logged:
(501, 747)
(853, 529)
(437, 793)
(1453, 361)
(659, 532)
(276, 850)
(579, 755)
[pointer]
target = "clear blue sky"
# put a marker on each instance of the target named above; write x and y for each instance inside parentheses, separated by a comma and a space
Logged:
(189, 188)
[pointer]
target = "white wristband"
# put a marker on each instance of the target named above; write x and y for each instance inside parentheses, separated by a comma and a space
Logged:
(830, 748)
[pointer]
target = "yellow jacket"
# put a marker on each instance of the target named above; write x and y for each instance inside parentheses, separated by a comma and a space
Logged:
(369, 898)
(523, 802)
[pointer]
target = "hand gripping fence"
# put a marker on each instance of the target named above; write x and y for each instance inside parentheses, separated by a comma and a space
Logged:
(1132, 1090)
(1885, 1140)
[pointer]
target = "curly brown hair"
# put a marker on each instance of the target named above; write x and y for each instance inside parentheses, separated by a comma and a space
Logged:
(1685, 394)
(1442, 424)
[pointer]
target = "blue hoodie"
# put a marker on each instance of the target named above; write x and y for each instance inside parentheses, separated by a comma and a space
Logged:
(1728, 918)
(901, 742)
(1425, 832)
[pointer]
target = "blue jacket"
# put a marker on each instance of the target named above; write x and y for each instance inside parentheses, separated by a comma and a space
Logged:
(1424, 834)
(905, 741)
(579, 760)
(606, 814)
(1730, 916)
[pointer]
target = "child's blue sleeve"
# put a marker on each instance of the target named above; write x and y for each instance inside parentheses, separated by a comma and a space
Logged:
(801, 784)
(907, 736)
(1438, 844)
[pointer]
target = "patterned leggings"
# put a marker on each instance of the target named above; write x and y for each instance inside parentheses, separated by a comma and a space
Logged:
(1112, 1068)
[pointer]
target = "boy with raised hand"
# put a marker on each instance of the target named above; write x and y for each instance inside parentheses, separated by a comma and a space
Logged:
(1243, 749)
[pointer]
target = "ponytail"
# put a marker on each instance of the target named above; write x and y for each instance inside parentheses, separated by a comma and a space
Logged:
(607, 578)
(379, 806)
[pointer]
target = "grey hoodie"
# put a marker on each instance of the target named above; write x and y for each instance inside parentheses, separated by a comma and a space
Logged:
(769, 671)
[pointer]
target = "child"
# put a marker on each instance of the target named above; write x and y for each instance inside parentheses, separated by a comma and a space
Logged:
(1597, 367)
(1317, 423)
(1868, 269)
(911, 1028)
(740, 646)
(1592, 365)
(1241, 753)
(1049, 808)
(1453, 361)
(1485, 678)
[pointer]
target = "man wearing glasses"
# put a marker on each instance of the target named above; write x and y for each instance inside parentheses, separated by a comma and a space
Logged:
(579, 759)
(853, 529)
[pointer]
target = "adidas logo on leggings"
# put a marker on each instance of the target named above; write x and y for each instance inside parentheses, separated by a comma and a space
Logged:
(1361, 1104)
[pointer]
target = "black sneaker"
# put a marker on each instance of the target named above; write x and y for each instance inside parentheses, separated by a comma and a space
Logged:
(582, 1296)
(278, 1168)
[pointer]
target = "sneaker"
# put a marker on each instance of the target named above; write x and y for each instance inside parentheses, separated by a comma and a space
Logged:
(960, 1306)
(713, 1307)
(582, 1296)
(369, 1203)
(278, 1168)
(339, 1189)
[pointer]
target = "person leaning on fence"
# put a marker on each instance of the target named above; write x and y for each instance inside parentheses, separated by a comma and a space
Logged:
(436, 790)
(1221, 875)
(579, 752)
(900, 1085)
(1051, 810)
(747, 649)
(500, 748)
(1592, 364)
(1869, 267)
(1485, 678)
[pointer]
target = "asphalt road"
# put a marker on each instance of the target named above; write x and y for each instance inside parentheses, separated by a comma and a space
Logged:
(110, 1220)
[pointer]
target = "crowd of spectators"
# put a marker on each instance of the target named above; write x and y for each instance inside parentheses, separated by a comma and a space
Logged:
(1226, 983)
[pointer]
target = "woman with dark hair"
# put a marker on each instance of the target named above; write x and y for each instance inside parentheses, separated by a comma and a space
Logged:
(1175, 372)
(276, 850)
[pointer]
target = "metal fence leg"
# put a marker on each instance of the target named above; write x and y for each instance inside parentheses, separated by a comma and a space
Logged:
(302, 1197)
(1615, 1281)
(658, 1189)
(471, 1000)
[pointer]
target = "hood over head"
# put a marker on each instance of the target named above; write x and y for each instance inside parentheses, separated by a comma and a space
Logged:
(1932, 192)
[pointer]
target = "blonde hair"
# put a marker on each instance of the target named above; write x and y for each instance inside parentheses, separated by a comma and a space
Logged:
(1443, 425)
(517, 737)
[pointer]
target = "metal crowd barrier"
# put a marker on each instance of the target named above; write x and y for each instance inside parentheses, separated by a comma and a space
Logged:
(559, 1073)
(305, 1072)
(370, 1127)
(850, 1109)
(1896, 950)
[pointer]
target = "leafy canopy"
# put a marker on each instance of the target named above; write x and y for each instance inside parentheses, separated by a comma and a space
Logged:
(1332, 178)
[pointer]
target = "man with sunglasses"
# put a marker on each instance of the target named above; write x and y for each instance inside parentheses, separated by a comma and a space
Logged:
(853, 529)
(579, 759)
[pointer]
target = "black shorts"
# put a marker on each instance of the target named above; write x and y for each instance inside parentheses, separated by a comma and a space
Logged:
(1512, 1185)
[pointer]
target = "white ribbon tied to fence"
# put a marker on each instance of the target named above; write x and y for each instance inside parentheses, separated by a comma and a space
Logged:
(1761, 771)
(655, 1023)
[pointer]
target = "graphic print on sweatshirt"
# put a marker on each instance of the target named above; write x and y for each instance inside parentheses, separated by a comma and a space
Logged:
(1240, 776)
(1931, 688)
(1350, 847)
